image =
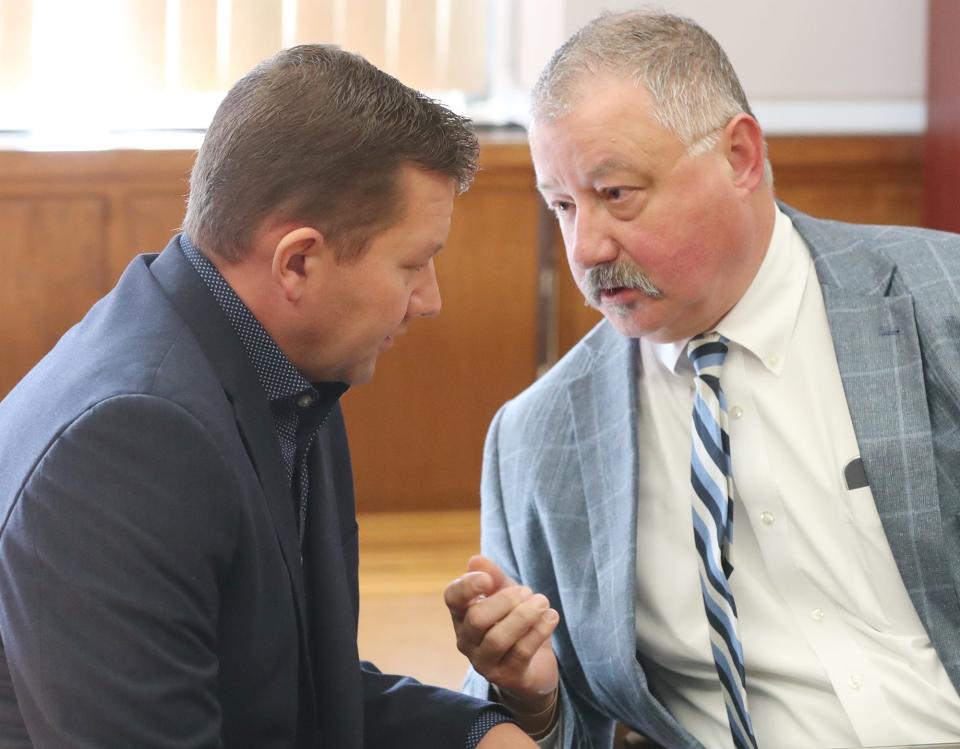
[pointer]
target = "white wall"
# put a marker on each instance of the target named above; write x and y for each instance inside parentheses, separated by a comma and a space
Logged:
(806, 65)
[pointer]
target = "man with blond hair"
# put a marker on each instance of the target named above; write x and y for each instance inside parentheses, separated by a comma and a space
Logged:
(728, 516)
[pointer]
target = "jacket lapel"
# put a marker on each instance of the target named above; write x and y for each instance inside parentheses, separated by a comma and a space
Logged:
(603, 405)
(223, 349)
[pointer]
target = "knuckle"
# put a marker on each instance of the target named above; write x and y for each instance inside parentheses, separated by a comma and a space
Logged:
(475, 619)
(495, 642)
(515, 594)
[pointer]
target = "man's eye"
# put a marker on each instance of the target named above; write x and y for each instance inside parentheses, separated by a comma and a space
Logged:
(559, 206)
(616, 193)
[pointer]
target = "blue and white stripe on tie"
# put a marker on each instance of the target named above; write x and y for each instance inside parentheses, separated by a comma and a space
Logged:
(712, 482)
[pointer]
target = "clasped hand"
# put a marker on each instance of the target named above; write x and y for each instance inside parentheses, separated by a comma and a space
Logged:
(504, 630)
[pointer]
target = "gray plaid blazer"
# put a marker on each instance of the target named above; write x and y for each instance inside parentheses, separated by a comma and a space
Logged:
(560, 471)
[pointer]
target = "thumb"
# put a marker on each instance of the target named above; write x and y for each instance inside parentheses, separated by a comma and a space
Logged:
(478, 563)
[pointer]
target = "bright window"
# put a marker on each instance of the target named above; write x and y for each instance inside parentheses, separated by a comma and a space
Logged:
(76, 69)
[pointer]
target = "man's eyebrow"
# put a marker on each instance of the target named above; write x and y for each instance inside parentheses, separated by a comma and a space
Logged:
(605, 167)
(602, 169)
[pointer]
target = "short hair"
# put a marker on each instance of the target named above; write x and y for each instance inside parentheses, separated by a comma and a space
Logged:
(694, 88)
(317, 134)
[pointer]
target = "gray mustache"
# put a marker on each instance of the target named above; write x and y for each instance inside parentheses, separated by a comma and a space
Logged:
(619, 274)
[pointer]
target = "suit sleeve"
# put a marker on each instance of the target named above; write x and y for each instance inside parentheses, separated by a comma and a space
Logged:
(397, 712)
(109, 566)
(402, 713)
(583, 726)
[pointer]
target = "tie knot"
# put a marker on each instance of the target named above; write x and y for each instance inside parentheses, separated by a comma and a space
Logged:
(707, 352)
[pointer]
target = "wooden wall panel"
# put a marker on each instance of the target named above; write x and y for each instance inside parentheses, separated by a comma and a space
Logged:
(870, 180)
(146, 222)
(52, 271)
(942, 162)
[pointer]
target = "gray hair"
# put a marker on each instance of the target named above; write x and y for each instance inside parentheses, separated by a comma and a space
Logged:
(694, 88)
(318, 135)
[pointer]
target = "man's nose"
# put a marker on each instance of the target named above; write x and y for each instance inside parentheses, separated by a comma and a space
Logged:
(425, 301)
(591, 243)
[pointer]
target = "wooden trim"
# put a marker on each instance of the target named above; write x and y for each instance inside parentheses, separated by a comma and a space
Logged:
(788, 152)
(941, 210)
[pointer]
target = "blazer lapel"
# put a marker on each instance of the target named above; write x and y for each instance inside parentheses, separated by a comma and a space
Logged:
(879, 357)
(226, 355)
(603, 404)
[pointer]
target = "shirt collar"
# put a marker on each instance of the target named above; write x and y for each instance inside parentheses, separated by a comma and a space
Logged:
(764, 319)
(278, 376)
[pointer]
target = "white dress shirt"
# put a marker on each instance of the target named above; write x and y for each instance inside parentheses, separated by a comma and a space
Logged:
(834, 651)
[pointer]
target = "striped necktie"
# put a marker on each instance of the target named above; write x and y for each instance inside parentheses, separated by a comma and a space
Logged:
(712, 482)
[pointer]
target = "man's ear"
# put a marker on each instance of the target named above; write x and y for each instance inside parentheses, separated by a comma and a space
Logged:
(290, 257)
(745, 153)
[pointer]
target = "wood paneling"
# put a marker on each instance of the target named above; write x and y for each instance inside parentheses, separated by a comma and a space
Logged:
(942, 146)
(145, 223)
(53, 270)
(870, 180)
(71, 221)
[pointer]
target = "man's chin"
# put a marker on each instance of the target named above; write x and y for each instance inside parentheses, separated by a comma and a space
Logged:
(624, 320)
(362, 375)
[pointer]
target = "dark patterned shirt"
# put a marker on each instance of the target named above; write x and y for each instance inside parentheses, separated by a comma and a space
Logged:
(299, 409)
(484, 722)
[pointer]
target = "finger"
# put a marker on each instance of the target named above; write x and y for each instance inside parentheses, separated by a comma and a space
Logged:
(478, 563)
(485, 613)
(535, 638)
(503, 635)
(460, 593)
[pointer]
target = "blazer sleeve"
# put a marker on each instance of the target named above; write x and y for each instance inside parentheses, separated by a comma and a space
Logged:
(583, 727)
(397, 712)
(109, 564)
(401, 713)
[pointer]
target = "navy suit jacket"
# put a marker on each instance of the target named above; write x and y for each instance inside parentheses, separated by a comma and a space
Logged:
(153, 588)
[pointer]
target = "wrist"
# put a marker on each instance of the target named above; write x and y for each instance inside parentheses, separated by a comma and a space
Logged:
(536, 714)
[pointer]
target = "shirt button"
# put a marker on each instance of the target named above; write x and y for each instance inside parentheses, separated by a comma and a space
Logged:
(855, 682)
(773, 360)
(305, 400)
(767, 518)
(817, 615)
(736, 412)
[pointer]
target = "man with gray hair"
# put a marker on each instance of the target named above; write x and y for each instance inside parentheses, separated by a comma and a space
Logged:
(178, 547)
(728, 516)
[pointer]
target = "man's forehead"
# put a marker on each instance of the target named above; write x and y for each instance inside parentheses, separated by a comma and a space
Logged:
(589, 150)
(590, 89)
